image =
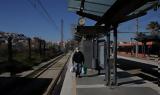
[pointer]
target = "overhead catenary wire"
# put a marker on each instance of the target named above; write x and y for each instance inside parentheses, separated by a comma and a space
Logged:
(33, 3)
(37, 4)
(47, 13)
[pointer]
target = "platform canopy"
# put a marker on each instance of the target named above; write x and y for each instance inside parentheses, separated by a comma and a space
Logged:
(96, 7)
(111, 12)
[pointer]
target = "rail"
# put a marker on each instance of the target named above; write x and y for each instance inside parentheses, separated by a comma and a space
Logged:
(55, 87)
(42, 69)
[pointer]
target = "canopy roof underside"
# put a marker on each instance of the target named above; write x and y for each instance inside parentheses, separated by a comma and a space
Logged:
(111, 11)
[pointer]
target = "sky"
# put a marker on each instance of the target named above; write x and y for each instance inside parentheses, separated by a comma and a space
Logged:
(19, 16)
(130, 26)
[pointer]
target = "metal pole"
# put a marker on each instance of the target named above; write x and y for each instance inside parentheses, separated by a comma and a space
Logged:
(10, 57)
(93, 57)
(108, 59)
(137, 49)
(93, 49)
(105, 60)
(144, 49)
(115, 56)
(29, 47)
(62, 31)
(131, 47)
(97, 55)
(44, 47)
(10, 49)
(40, 47)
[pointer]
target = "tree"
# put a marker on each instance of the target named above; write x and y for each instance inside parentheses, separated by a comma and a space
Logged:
(154, 27)
(140, 35)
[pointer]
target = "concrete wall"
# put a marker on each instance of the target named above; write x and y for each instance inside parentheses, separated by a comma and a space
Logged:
(87, 49)
(86, 46)
(101, 54)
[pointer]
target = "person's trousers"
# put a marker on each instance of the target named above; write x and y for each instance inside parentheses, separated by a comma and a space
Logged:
(78, 68)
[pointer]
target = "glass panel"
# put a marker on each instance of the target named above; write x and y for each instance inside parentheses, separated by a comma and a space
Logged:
(106, 2)
(145, 7)
(74, 5)
(96, 7)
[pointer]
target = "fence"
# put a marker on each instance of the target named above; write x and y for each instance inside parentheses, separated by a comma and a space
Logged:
(17, 55)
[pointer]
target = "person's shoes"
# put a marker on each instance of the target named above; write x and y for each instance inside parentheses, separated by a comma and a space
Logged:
(79, 76)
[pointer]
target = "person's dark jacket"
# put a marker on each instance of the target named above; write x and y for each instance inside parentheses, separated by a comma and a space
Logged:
(78, 57)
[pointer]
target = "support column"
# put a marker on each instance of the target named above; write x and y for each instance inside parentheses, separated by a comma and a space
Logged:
(93, 50)
(137, 48)
(131, 47)
(107, 71)
(93, 54)
(97, 56)
(144, 49)
(115, 56)
(105, 60)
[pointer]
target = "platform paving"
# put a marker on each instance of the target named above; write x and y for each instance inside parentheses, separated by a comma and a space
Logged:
(127, 85)
(150, 62)
(93, 84)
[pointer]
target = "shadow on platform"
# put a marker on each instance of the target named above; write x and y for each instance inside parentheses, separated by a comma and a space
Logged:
(129, 65)
(23, 86)
(128, 79)
(145, 71)
(91, 75)
(117, 91)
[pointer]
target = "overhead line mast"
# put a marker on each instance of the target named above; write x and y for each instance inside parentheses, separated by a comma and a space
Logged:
(62, 31)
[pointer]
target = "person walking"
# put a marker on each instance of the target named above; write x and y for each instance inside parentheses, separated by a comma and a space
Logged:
(78, 61)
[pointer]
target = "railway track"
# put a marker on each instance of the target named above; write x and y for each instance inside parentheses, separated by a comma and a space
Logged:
(36, 73)
(46, 80)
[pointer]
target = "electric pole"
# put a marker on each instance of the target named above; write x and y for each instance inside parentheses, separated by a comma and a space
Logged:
(62, 31)
(137, 26)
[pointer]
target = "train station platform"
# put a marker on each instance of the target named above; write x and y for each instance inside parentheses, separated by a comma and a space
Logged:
(93, 84)
(150, 62)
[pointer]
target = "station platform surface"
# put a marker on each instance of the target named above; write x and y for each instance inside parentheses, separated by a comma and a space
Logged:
(150, 62)
(127, 85)
(93, 84)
